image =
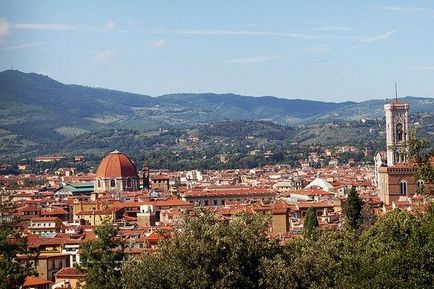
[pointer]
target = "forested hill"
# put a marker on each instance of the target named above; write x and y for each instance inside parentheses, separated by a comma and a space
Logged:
(36, 110)
(30, 97)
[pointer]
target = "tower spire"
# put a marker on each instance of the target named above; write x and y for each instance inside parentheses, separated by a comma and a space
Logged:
(396, 91)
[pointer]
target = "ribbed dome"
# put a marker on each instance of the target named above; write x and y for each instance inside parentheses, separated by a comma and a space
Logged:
(116, 165)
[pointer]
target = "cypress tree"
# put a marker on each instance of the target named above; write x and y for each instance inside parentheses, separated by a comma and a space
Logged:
(310, 223)
(352, 209)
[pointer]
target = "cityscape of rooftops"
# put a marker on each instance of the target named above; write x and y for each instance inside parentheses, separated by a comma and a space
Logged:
(216, 144)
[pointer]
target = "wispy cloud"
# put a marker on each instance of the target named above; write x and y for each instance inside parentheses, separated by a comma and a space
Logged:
(39, 26)
(408, 10)
(224, 32)
(160, 43)
(252, 33)
(380, 37)
(4, 28)
(366, 41)
(421, 67)
(104, 56)
(25, 45)
(253, 59)
(333, 28)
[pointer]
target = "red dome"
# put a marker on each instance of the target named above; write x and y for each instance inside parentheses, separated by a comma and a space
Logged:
(116, 165)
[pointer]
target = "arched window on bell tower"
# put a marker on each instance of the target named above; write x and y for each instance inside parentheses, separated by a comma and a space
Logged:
(399, 133)
(403, 188)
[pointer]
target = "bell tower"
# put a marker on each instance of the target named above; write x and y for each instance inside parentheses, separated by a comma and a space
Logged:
(145, 169)
(397, 133)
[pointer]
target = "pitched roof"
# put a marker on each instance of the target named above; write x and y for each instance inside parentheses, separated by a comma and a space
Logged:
(69, 272)
(320, 182)
(35, 281)
(44, 219)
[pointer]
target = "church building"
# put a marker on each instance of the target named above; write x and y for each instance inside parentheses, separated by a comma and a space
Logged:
(116, 173)
(396, 178)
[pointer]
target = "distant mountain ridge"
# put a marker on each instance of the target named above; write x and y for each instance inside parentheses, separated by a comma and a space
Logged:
(36, 109)
(30, 98)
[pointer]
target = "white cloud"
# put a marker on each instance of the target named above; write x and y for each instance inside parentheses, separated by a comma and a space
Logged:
(421, 67)
(109, 25)
(380, 37)
(39, 26)
(4, 28)
(24, 45)
(254, 59)
(248, 33)
(104, 56)
(157, 43)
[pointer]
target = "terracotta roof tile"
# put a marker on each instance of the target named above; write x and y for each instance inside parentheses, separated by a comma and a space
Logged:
(116, 165)
(70, 272)
(35, 281)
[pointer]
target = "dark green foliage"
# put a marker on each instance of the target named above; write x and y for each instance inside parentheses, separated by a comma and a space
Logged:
(352, 210)
(12, 273)
(310, 223)
(421, 151)
(246, 129)
(396, 252)
(327, 261)
(101, 259)
(206, 252)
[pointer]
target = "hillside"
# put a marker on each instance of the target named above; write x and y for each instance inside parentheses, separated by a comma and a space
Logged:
(38, 113)
(242, 143)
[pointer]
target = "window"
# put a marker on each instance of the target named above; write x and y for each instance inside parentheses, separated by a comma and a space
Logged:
(399, 132)
(99, 184)
(420, 185)
(403, 188)
(112, 183)
(215, 202)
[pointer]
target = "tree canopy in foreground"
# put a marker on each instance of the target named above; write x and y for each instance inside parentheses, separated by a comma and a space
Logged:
(397, 251)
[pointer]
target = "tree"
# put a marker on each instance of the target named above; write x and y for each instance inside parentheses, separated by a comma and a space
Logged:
(368, 216)
(102, 258)
(421, 153)
(206, 251)
(397, 252)
(310, 223)
(326, 261)
(352, 210)
(12, 273)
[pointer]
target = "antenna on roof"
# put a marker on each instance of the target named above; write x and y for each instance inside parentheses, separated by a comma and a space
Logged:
(396, 91)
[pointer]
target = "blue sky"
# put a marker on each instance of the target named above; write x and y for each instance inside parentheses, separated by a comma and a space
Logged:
(323, 50)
